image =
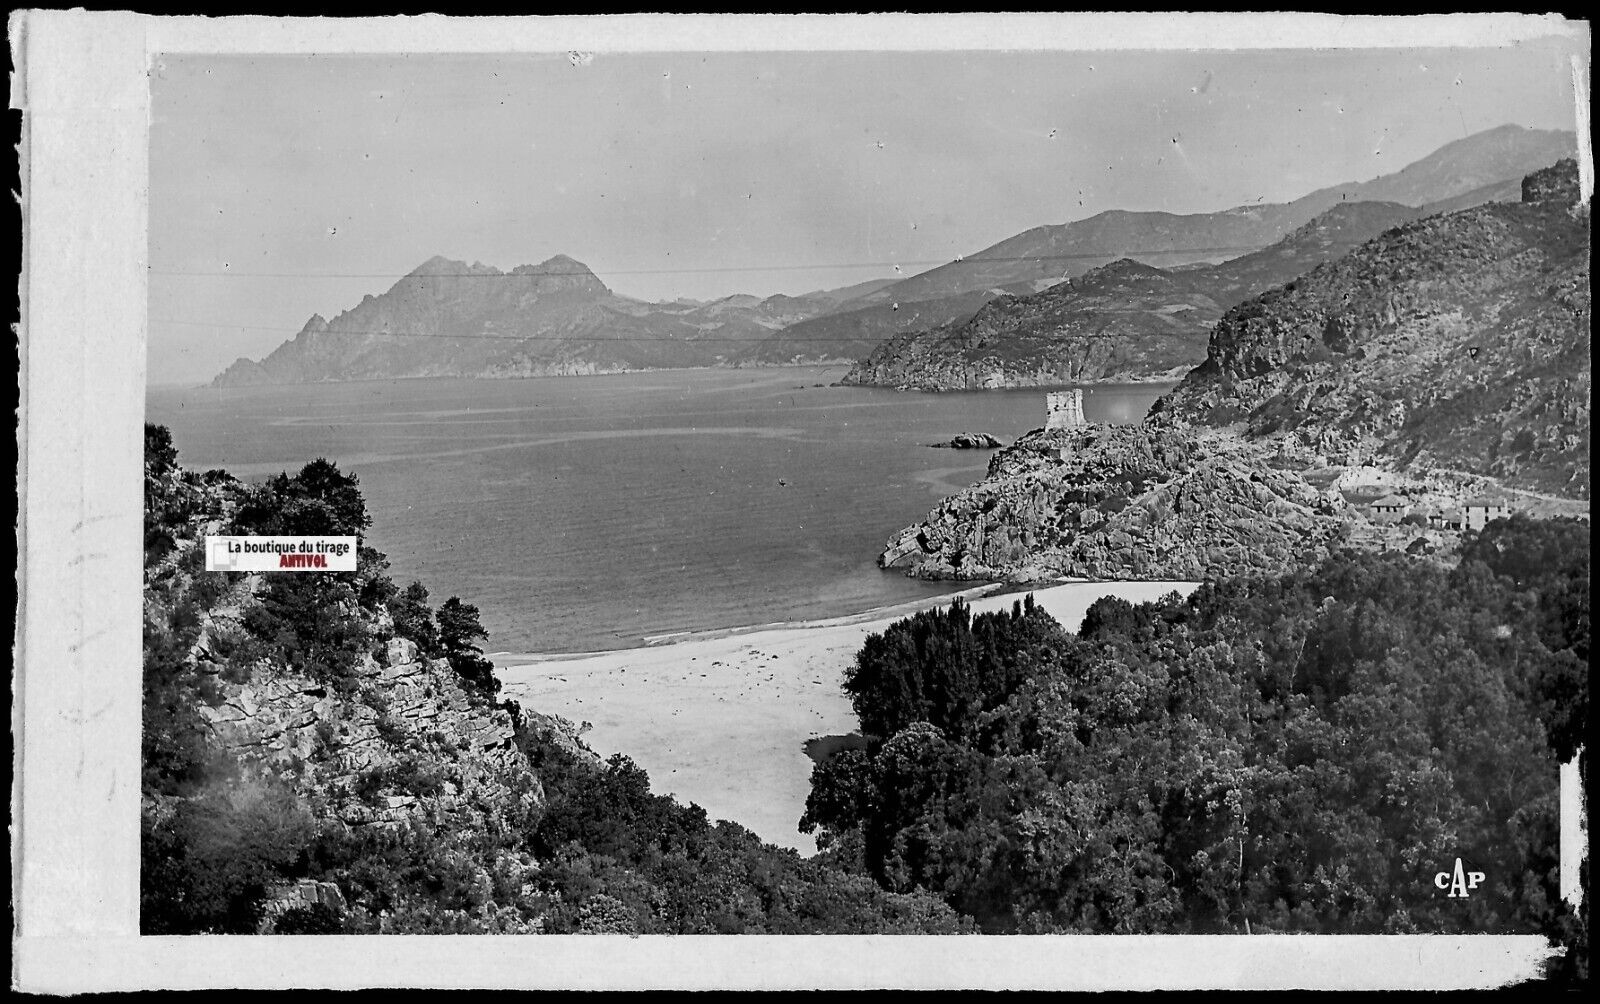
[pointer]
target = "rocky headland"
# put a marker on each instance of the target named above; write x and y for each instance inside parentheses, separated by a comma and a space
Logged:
(1445, 356)
(1458, 342)
(1121, 502)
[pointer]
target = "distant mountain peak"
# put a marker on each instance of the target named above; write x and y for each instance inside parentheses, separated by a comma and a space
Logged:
(1506, 130)
(555, 265)
(439, 265)
(547, 319)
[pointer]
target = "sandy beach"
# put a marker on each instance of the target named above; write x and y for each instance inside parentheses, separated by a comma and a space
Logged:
(720, 719)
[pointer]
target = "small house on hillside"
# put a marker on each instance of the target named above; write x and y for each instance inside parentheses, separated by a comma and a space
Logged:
(1481, 510)
(1389, 509)
(1449, 519)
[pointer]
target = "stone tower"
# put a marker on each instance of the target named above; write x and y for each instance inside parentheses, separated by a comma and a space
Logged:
(1064, 409)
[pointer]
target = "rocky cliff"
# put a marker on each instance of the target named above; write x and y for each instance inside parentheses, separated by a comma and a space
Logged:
(1459, 341)
(394, 760)
(1122, 502)
(324, 753)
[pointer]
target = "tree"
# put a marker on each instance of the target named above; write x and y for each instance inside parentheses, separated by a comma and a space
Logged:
(842, 795)
(1229, 762)
(314, 622)
(322, 482)
(160, 456)
(167, 502)
(413, 619)
(319, 500)
(947, 666)
(459, 630)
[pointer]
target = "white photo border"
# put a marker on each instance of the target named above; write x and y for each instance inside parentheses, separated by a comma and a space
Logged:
(82, 80)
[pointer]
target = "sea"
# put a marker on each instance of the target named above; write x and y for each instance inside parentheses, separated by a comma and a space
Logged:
(584, 514)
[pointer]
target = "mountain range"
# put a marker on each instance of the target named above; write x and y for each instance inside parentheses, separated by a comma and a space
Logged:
(451, 318)
(1126, 320)
(1486, 166)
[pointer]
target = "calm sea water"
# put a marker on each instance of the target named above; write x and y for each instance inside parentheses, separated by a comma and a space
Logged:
(588, 513)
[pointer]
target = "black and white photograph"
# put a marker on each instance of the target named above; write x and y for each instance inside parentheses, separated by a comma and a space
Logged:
(1000, 492)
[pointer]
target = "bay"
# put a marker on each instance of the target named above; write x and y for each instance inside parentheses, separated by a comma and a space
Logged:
(597, 513)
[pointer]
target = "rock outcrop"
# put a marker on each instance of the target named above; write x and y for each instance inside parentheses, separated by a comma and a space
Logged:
(1456, 342)
(1122, 502)
(354, 752)
(971, 441)
(1557, 183)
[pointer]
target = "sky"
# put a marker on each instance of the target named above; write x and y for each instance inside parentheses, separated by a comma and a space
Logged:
(282, 186)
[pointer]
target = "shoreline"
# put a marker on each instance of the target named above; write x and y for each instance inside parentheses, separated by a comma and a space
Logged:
(1174, 376)
(821, 365)
(657, 641)
(721, 718)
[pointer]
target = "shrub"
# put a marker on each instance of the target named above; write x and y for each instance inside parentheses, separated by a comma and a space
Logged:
(206, 863)
(313, 918)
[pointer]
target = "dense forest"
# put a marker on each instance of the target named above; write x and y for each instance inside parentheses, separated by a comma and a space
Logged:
(566, 843)
(1294, 753)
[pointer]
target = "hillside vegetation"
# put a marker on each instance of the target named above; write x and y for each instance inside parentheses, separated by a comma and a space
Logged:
(324, 753)
(1279, 753)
